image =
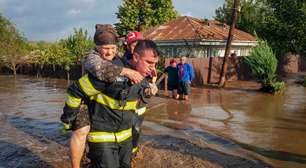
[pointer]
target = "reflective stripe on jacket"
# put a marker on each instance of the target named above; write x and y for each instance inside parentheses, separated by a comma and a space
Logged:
(113, 103)
(72, 102)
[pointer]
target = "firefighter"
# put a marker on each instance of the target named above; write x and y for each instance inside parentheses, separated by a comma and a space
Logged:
(111, 109)
(93, 64)
(97, 62)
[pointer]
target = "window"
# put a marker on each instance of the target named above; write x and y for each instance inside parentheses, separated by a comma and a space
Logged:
(168, 52)
(174, 52)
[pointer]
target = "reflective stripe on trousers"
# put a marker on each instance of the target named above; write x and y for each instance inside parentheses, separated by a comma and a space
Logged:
(121, 136)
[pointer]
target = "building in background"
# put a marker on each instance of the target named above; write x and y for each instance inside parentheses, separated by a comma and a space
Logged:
(198, 38)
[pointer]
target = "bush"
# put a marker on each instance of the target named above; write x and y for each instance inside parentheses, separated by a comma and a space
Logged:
(161, 64)
(273, 87)
(263, 65)
(304, 82)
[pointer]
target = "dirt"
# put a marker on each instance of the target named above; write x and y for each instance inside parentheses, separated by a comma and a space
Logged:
(163, 151)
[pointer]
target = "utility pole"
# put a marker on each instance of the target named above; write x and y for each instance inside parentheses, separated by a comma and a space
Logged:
(222, 79)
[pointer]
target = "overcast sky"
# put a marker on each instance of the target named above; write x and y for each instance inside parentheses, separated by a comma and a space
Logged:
(51, 20)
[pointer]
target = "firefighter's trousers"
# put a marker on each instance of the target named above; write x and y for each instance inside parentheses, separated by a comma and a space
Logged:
(110, 155)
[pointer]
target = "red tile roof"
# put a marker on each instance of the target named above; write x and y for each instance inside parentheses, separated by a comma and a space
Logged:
(189, 28)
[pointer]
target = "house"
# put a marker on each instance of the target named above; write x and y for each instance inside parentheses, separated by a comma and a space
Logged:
(198, 38)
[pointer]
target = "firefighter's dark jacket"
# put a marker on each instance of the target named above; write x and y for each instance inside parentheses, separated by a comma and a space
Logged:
(111, 106)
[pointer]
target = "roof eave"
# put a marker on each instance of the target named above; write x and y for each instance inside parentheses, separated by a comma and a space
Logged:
(203, 42)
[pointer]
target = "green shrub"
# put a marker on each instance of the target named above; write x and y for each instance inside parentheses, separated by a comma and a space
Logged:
(273, 87)
(263, 65)
(161, 64)
(304, 82)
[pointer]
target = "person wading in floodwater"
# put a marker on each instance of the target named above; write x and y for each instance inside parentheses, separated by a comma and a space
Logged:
(185, 76)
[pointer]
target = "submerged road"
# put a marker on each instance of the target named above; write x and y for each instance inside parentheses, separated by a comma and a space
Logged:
(216, 128)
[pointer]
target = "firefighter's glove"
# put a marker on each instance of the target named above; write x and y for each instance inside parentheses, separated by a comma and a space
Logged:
(150, 91)
(153, 89)
(147, 92)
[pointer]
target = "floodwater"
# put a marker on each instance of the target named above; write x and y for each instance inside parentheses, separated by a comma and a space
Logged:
(224, 127)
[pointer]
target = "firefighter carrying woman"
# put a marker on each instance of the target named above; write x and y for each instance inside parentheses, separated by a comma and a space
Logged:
(115, 90)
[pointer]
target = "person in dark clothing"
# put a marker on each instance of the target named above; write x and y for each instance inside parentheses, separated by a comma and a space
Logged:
(131, 41)
(172, 82)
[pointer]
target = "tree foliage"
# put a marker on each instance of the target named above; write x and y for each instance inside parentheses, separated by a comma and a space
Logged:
(77, 44)
(65, 53)
(142, 14)
(13, 46)
(15, 50)
(251, 16)
(285, 28)
(282, 23)
(263, 64)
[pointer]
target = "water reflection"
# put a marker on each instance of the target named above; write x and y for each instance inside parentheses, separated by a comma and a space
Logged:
(13, 155)
(178, 110)
(272, 127)
(29, 118)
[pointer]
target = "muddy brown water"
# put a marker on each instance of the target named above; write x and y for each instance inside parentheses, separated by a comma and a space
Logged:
(216, 128)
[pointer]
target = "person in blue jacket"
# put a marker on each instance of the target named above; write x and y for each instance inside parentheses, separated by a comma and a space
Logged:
(185, 76)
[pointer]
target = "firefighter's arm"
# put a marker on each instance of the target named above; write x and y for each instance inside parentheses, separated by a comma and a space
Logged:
(86, 87)
(106, 71)
(74, 97)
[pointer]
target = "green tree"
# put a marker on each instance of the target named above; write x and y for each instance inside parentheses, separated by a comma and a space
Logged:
(285, 28)
(282, 23)
(263, 64)
(64, 53)
(251, 17)
(74, 48)
(65, 59)
(142, 14)
(5, 25)
(13, 46)
(78, 44)
(39, 55)
(58, 55)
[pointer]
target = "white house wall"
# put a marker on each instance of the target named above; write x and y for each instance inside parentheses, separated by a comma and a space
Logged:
(204, 43)
(202, 51)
